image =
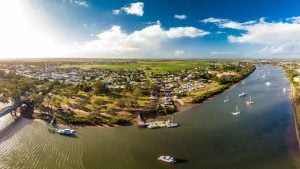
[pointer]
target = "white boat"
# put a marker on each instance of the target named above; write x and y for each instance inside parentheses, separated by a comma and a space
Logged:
(66, 131)
(167, 159)
(237, 111)
(242, 94)
(286, 90)
(249, 102)
(243, 82)
(152, 126)
(171, 124)
(226, 100)
(268, 83)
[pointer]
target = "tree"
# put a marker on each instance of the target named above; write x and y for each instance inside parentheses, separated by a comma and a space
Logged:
(55, 101)
(99, 87)
(37, 99)
(136, 92)
(97, 103)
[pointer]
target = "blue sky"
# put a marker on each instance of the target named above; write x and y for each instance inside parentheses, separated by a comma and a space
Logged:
(150, 28)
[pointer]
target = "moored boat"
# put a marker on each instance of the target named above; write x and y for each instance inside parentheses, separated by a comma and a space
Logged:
(237, 111)
(66, 131)
(152, 126)
(167, 159)
(226, 100)
(172, 125)
(249, 102)
(242, 94)
(286, 90)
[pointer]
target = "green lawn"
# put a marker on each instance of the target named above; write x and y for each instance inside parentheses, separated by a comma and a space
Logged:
(151, 66)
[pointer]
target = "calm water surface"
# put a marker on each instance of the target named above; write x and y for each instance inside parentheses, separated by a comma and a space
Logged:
(261, 137)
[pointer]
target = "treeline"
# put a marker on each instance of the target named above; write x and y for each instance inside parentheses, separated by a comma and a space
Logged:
(248, 69)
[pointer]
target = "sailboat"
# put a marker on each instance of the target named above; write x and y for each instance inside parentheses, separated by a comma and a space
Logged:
(226, 100)
(172, 124)
(237, 111)
(249, 102)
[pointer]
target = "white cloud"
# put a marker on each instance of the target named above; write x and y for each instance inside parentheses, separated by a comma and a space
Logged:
(136, 8)
(226, 23)
(220, 32)
(223, 52)
(281, 37)
(140, 43)
(180, 17)
(82, 3)
(179, 52)
(116, 12)
(295, 19)
(212, 20)
(189, 31)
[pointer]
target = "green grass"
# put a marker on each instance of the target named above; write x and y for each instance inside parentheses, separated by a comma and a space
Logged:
(151, 66)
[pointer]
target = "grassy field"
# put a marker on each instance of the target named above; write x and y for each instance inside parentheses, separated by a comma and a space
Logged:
(152, 66)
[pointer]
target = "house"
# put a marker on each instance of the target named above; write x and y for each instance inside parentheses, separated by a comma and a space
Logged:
(296, 79)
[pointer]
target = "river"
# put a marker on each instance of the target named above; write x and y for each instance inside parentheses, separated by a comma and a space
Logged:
(210, 137)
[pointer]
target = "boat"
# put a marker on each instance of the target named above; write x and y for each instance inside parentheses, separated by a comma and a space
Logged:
(249, 102)
(171, 124)
(142, 124)
(226, 100)
(152, 126)
(243, 82)
(237, 111)
(167, 159)
(286, 90)
(268, 83)
(242, 94)
(66, 131)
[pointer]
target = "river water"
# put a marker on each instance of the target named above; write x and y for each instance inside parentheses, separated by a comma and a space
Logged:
(210, 137)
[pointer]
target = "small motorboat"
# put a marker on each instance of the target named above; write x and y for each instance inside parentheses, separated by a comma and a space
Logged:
(152, 126)
(242, 94)
(167, 159)
(286, 90)
(172, 125)
(66, 131)
(268, 83)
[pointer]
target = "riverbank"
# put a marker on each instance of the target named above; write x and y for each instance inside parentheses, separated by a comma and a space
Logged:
(222, 88)
(296, 112)
(180, 104)
(295, 100)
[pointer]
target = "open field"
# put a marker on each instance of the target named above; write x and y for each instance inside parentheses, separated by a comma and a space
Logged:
(158, 66)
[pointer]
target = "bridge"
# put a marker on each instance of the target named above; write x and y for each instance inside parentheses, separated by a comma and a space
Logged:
(25, 111)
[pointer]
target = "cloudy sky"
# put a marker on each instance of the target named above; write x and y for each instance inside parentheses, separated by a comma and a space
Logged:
(150, 28)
